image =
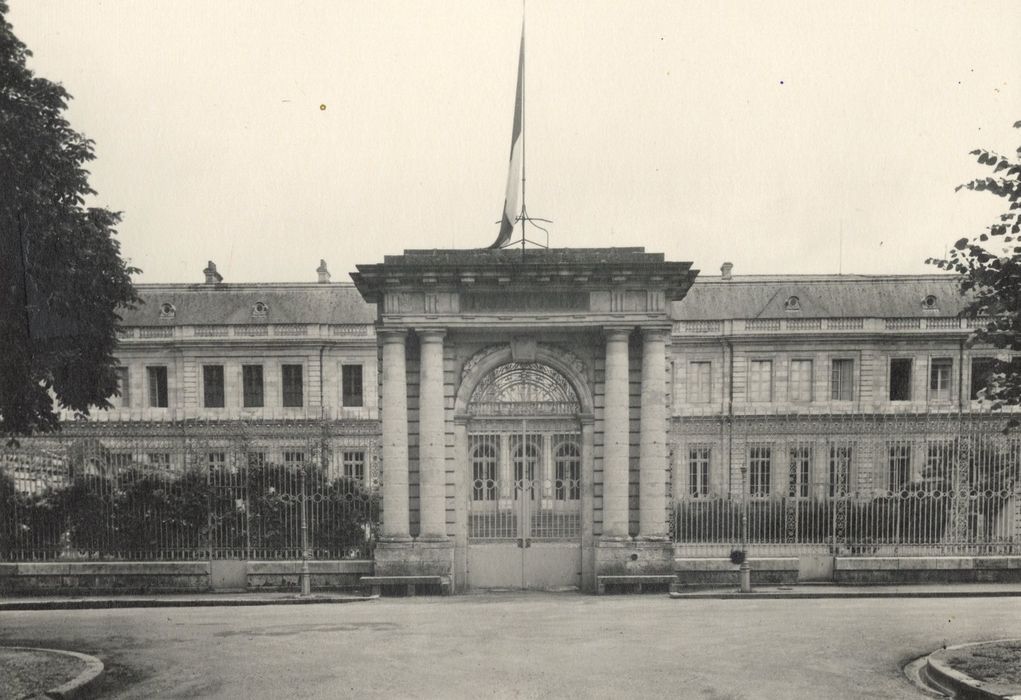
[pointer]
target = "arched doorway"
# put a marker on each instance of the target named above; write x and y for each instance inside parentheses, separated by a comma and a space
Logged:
(524, 461)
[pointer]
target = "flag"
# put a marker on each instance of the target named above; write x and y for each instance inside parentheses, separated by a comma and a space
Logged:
(510, 203)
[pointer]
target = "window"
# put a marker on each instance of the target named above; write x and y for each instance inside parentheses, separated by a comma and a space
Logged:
(484, 472)
(251, 386)
(799, 471)
(256, 459)
(699, 458)
(167, 310)
(160, 460)
(260, 310)
(294, 458)
(938, 458)
(940, 373)
(982, 369)
(354, 464)
(760, 380)
(792, 304)
(157, 386)
(801, 380)
(900, 466)
(212, 386)
(124, 387)
(120, 460)
(760, 461)
(216, 460)
(700, 377)
(568, 472)
(841, 378)
(840, 469)
(293, 389)
(900, 379)
(351, 382)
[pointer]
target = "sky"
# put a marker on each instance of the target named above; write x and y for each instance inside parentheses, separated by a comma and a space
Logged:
(786, 137)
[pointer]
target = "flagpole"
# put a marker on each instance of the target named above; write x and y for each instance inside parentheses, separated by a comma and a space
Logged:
(523, 142)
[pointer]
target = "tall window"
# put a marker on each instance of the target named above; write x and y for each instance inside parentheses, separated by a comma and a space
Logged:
(700, 378)
(294, 458)
(293, 387)
(160, 460)
(940, 374)
(256, 459)
(124, 386)
(760, 380)
(351, 381)
(840, 469)
(982, 369)
(524, 462)
(216, 460)
(212, 386)
(568, 472)
(939, 456)
(841, 378)
(900, 466)
(699, 457)
(157, 377)
(354, 464)
(760, 462)
(799, 471)
(801, 381)
(484, 472)
(900, 379)
(251, 386)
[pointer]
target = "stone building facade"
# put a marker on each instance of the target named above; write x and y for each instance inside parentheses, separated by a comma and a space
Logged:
(538, 418)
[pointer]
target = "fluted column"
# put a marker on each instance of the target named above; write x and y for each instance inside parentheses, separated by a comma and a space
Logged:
(432, 453)
(652, 519)
(615, 435)
(395, 437)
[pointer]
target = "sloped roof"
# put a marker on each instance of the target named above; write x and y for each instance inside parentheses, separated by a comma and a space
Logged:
(229, 304)
(831, 296)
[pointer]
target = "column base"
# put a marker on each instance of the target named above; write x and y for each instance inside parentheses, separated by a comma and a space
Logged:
(638, 557)
(414, 558)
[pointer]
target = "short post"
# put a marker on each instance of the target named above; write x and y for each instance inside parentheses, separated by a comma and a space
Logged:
(306, 583)
(745, 569)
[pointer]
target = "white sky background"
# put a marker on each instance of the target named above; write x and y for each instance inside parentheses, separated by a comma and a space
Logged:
(750, 132)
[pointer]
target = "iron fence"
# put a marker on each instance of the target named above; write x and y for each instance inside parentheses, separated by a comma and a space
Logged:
(223, 494)
(849, 484)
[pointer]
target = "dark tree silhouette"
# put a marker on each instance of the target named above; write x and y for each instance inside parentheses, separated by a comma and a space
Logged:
(62, 278)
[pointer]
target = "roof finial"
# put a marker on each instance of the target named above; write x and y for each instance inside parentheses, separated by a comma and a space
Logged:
(324, 274)
(212, 276)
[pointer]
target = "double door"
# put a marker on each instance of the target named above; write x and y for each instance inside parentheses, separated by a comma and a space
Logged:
(524, 509)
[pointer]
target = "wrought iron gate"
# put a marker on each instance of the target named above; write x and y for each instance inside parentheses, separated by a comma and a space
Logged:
(524, 507)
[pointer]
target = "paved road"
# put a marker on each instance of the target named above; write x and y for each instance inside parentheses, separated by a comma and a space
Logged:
(520, 645)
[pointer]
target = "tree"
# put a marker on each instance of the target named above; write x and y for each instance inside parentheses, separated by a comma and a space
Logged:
(62, 278)
(989, 266)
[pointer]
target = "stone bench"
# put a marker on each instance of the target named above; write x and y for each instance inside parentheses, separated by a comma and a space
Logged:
(636, 580)
(378, 583)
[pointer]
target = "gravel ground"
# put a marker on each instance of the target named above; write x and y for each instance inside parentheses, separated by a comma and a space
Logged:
(25, 673)
(995, 662)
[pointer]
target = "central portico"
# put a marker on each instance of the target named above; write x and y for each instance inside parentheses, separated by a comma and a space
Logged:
(523, 408)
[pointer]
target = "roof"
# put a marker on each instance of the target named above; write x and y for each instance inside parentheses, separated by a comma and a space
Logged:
(230, 304)
(830, 296)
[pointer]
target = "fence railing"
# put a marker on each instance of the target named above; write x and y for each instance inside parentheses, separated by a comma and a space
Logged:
(174, 498)
(850, 485)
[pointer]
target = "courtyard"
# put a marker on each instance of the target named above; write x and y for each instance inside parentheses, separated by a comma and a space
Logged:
(519, 645)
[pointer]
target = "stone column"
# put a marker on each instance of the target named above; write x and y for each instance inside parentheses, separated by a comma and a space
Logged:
(615, 435)
(652, 451)
(395, 437)
(432, 452)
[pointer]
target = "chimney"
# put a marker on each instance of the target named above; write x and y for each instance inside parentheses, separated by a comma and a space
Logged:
(324, 274)
(212, 276)
(725, 269)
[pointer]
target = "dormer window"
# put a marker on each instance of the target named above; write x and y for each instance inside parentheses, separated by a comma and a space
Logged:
(929, 302)
(167, 310)
(792, 304)
(260, 309)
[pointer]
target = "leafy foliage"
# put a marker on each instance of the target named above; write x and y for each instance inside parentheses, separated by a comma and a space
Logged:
(990, 269)
(62, 278)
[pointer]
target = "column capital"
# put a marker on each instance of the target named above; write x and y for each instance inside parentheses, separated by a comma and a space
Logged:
(656, 332)
(617, 332)
(431, 335)
(392, 335)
